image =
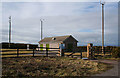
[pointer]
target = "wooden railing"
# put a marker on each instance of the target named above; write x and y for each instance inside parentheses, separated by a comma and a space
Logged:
(38, 52)
(32, 52)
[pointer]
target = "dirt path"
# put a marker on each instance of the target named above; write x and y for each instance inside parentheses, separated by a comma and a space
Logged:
(111, 72)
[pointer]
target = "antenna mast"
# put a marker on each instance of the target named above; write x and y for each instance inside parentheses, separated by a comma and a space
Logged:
(102, 26)
(41, 22)
(9, 31)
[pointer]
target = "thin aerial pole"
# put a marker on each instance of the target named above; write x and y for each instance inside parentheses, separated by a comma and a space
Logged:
(9, 31)
(102, 28)
(41, 22)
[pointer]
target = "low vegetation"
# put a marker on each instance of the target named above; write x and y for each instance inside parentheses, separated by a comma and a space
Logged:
(116, 52)
(113, 55)
(50, 66)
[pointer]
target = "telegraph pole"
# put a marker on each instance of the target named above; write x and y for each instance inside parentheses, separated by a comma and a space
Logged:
(41, 22)
(9, 31)
(102, 28)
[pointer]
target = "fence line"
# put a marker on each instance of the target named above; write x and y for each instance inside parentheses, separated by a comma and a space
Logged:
(32, 52)
(47, 51)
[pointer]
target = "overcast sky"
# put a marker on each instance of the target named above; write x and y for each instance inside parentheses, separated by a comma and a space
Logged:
(82, 20)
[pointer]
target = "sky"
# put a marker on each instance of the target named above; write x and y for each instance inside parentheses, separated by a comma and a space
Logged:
(82, 20)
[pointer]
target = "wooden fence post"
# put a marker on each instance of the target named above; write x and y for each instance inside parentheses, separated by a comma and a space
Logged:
(110, 52)
(81, 54)
(46, 51)
(17, 52)
(62, 52)
(33, 52)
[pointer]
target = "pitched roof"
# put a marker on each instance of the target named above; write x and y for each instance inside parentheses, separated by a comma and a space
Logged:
(55, 39)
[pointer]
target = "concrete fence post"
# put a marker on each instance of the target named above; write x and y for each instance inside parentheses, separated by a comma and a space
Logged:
(89, 51)
(61, 52)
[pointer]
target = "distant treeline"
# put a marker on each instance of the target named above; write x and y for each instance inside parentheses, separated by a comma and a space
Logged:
(82, 48)
(17, 45)
(97, 48)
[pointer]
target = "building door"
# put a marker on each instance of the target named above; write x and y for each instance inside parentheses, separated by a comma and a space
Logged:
(70, 47)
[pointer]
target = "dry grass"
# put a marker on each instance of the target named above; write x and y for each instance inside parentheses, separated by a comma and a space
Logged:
(50, 66)
(102, 54)
(113, 59)
(84, 54)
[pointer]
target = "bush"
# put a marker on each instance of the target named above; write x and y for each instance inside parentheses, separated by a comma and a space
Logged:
(116, 52)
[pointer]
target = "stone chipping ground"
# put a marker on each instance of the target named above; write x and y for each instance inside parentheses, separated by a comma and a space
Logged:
(112, 72)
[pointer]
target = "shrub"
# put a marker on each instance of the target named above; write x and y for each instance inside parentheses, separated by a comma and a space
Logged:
(116, 52)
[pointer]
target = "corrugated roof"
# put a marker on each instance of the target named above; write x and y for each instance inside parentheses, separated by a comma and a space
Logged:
(55, 39)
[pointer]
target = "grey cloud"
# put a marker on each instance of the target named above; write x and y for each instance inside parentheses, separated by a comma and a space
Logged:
(26, 28)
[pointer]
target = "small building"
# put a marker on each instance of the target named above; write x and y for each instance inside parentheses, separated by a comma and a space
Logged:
(66, 42)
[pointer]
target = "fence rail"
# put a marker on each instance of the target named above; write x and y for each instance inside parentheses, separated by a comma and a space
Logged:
(47, 51)
(33, 52)
(14, 50)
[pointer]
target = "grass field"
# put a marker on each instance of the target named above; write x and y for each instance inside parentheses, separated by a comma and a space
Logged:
(50, 66)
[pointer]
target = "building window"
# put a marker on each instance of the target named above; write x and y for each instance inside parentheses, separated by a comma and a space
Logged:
(62, 46)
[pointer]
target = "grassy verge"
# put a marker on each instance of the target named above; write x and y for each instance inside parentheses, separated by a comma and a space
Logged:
(50, 66)
(107, 58)
(113, 59)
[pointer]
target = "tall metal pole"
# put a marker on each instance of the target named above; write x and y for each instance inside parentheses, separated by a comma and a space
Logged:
(103, 28)
(41, 28)
(9, 31)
